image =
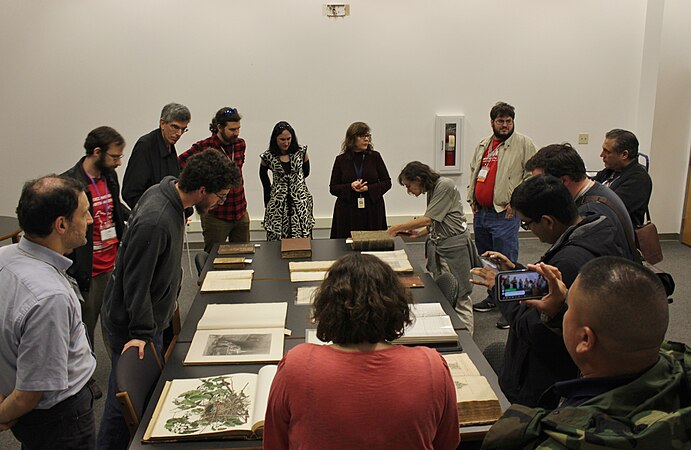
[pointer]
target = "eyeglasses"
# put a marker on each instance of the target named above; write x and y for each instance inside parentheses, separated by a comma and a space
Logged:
(221, 198)
(229, 111)
(503, 121)
(526, 224)
(365, 136)
(115, 157)
(178, 129)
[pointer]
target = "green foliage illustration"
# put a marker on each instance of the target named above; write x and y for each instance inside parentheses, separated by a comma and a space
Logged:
(214, 404)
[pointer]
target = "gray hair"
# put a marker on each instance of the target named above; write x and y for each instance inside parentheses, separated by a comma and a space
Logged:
(175, 111)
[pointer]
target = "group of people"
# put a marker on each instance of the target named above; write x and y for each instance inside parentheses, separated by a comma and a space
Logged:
(78, 259)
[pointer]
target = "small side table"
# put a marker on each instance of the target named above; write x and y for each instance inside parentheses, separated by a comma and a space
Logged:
(9, 228)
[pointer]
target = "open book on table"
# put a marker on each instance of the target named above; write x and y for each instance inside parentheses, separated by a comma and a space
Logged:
(397, 259)
(227, 280)
(229, 406)
(239, 333)
(430, 325)
(477, 402)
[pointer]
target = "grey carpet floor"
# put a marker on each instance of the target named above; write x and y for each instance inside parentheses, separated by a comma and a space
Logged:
(677, 259)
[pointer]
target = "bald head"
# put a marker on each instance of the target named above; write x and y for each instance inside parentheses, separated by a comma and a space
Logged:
(624, 307)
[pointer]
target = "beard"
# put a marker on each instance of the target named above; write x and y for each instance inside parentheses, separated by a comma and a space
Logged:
(502, 136)
(102, 166)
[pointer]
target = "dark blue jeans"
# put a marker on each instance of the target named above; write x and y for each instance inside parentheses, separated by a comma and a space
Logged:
(114, 434)
(68, 425)
(495, 232)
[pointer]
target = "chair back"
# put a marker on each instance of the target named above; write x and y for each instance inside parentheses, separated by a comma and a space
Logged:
(200, 260)
(448, 285)
(135, 379)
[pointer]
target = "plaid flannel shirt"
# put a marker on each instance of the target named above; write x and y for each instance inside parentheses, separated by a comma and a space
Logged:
(235, 206)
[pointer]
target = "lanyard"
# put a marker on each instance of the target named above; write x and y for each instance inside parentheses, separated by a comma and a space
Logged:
(359, 170)
(107, 205)
(491, 152)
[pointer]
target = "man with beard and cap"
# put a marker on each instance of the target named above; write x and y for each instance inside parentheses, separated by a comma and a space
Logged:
(153, 156)
(498, 166)
(230, 220)
(141, 294)
(94, 261)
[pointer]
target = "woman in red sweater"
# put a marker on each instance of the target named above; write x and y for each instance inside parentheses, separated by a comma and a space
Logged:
(361, 391)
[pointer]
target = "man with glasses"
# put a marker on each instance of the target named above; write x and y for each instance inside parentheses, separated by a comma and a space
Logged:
(140, 297)
(93, 262)
(535, 358)
(564, 162)
(230, 220)
(498, 166)
(153, 156)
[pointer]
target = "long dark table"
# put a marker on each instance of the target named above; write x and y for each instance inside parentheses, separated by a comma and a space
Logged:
(272, 283)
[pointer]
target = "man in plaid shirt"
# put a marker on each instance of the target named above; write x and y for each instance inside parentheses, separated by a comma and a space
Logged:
(229, 220)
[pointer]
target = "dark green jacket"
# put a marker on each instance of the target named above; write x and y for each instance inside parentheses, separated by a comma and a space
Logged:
(651, 412)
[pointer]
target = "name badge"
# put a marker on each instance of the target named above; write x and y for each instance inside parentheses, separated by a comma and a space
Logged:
(482, 174)
(108, 234)
(361, 202)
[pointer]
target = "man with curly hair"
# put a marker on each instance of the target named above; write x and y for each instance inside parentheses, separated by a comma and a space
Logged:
(140, 297)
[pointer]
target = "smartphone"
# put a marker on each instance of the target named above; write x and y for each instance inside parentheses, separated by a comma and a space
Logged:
(489, 262)
(404, 233)
(517, 285)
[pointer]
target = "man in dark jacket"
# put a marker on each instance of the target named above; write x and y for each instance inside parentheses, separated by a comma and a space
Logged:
(624, 174)
(535, 357)
(634, 391)
(564, 162)
(94, 261)
(153, 156)
(141, 294)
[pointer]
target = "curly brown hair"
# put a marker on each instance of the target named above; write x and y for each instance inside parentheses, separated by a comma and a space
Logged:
(361, 300)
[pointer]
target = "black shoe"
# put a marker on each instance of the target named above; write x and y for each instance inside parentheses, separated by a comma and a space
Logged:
(484, 306)
(502, 324)
(95, 389)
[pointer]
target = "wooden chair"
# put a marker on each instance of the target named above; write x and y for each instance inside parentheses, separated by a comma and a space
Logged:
(135, 379)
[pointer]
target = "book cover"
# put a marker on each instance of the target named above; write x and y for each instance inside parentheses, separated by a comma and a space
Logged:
(372, 240)
(296, 248)
(235, 249)
(227, 280)
(230, 262)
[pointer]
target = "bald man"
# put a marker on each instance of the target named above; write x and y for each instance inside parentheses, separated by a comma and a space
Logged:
(631, 393)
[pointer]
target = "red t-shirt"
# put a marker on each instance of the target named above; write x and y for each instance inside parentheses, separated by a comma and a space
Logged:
(399, 397)
(484, 187)
(106, 250)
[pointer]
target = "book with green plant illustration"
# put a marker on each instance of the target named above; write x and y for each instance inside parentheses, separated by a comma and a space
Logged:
(228, 406)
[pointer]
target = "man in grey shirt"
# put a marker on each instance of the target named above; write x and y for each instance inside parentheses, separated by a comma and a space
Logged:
(45, 357)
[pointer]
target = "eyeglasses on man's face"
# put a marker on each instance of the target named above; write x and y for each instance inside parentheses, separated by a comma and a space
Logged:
(525, 224)
(221, 198)
(178, 128)
(116, 157)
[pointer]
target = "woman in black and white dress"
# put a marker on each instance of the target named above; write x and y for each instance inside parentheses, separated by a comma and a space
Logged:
(287, 201)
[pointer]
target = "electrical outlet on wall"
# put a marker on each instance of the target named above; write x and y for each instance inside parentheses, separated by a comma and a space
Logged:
(583, 138)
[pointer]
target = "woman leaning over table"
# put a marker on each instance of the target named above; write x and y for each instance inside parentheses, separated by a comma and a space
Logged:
(287, 202)
(448, 246)
(361, 391)
(359, 180)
